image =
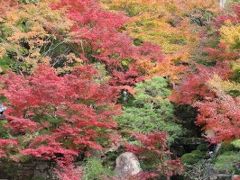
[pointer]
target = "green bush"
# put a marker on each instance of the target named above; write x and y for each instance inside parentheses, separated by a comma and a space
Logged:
(94, 169)
(226, 147)
(150, 110)
(228, 162)
(193, 157)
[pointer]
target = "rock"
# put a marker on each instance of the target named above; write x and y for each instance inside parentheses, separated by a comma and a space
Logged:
(127, 164)
(44, 171)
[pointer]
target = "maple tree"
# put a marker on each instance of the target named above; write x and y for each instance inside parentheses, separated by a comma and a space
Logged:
(6, 6)
(213, 89)
(59, 118)
(35, 34)
(100, 37)
(174, 25)
(217, 114)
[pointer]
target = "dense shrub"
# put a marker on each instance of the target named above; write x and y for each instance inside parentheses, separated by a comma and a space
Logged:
(150, 110)
(193, 157)
(94, 169)
(228, 162)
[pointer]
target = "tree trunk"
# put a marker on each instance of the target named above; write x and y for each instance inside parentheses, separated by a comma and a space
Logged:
(222, 3)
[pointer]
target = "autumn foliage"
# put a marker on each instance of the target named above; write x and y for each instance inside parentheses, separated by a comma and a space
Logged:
(83, 78)
(98, 33)
(58, 106)
(218, 108)
(57, 119)
(153, 149)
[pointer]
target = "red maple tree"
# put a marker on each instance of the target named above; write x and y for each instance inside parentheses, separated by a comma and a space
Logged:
(100, 37)
(57, 117)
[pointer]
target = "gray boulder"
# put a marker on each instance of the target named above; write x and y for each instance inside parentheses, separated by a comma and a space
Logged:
(127, 165)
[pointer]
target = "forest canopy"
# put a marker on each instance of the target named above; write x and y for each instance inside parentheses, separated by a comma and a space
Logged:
(83, 81)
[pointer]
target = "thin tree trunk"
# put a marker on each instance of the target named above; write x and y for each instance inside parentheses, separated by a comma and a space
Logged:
(222, 3)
